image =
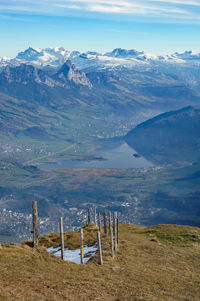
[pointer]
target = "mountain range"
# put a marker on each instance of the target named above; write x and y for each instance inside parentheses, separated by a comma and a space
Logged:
(114, 71)
(120, 93)
(132, 86)
(125, 87)
(55, 57)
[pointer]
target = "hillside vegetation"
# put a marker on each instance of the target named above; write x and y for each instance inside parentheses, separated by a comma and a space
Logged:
(156, 263)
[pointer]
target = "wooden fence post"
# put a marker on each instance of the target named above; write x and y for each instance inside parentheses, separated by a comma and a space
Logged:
(117, 230)
(115, 233)
(95, 216)
(89, 216)
(104, 222)
(114, 216)
(99, 218)
(35, 222)
(61, 238)
(99, 248)
(113, 219)
(110, 225)
(111, 239)
(81, 246)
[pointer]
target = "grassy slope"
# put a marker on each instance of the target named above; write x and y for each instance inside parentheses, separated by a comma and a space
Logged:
(156, 263)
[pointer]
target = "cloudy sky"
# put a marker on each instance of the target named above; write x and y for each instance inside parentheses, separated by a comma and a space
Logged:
(156, 26)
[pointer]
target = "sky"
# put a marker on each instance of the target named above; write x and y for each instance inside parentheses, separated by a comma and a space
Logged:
(155, 26)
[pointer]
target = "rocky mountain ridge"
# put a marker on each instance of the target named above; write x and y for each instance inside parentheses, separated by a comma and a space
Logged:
(184, 66)
(122, 90)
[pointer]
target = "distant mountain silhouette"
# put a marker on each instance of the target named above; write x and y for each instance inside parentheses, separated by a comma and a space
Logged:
(169, 137)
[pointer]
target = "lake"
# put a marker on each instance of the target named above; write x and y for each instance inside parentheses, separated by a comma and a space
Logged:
(116, 153)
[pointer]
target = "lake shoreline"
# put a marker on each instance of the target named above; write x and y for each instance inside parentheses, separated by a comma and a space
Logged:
(109, 154)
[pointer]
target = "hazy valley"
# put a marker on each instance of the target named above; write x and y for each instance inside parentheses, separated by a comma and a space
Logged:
(52, 110)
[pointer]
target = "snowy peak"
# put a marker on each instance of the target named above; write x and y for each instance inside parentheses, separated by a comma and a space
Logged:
(29, 54)
(119, 52)
(187, 55)
(53, 58)
(93, 53)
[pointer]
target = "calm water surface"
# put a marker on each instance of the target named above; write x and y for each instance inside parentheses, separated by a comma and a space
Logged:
(117, 154)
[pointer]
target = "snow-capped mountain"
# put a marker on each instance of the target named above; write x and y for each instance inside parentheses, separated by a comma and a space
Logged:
(118, 52)
(54, 58)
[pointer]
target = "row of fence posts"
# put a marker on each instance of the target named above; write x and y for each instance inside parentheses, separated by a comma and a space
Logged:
(113, 232)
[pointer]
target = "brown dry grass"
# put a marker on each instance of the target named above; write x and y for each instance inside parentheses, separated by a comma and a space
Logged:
(148, 266)
(72, 239)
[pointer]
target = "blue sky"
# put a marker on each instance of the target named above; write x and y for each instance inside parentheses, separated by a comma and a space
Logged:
(156, 26)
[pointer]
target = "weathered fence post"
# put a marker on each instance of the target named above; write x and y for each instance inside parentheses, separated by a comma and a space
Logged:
(99, 219)
(99, 248)
(61, 238)
(111, 239)
(117, 230)
(115, 221)
(81, 246)
(89, 216)
(104, 222)
(114, 216)
(110, 225)
(95, 216)
(35, 221)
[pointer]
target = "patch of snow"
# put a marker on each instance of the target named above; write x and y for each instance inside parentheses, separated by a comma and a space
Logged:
(74, 255)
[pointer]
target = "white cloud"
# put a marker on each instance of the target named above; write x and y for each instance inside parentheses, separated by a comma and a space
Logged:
(110, 9)
(181, 2)
(142, 9)
(68, 6)
(184, 9)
